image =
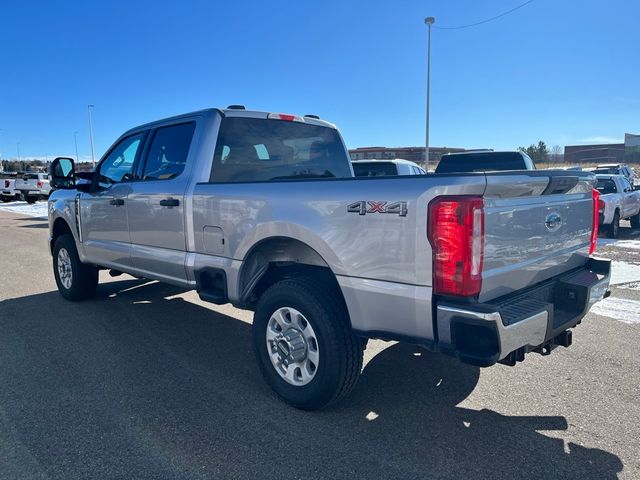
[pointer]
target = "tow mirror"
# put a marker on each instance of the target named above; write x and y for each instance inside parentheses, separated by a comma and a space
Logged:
(62, 173)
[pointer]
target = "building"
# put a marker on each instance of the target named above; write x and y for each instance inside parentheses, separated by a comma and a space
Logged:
(627, 152)
(594, 154)
(413, 154)
(631, 148)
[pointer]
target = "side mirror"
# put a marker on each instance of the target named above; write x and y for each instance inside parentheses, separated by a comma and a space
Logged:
(62, 173)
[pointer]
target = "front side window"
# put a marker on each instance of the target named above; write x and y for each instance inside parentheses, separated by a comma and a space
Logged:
(254, 149)
(118, 166)
(168, 153)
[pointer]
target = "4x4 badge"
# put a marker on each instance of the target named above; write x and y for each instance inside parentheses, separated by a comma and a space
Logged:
(364, 207)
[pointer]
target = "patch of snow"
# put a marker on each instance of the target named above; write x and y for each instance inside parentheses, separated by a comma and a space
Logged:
(630, 244)
(38, 209)
(623, 272)
(627, 244)
(626, 311)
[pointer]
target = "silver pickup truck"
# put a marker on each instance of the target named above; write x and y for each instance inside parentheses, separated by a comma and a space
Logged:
(261, 210)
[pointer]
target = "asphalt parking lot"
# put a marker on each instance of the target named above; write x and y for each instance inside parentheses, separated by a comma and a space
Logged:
(147, 381)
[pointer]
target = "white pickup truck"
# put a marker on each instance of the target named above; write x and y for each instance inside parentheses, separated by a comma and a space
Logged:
(8, 192)
(618, 201)
(33, 186)
(262, 210)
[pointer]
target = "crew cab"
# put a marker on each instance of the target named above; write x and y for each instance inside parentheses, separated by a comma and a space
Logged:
(33, 186)
(8, 192)
(618, 201)
(382, 168)
(261, 210)
(484, 161)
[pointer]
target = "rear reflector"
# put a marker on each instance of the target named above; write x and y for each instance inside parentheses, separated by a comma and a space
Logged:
(456, 235)
(594, 226)
(286, 117)
(39, 184)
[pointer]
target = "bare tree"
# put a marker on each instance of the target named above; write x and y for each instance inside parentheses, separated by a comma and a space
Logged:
(557, 154)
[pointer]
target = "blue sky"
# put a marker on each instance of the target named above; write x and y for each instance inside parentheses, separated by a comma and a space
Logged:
(564, 71)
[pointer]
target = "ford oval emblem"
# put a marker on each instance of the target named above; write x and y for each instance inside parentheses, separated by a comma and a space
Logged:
(553, 221)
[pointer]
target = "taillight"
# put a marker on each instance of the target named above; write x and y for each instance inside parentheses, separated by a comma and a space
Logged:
(456, 234)
(597, 205)
(39, 184)
(6, 184)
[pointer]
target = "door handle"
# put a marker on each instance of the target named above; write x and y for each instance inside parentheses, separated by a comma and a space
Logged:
(170, 202)
(117, 202)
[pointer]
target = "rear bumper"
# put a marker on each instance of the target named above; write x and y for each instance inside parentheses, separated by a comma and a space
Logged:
(537, 319)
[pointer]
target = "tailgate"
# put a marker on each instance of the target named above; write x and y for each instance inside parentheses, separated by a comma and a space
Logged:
(26, 183)
(537, 226)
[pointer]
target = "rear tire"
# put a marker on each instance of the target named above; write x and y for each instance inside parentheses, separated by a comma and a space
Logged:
(635, 221)
(614, 228)
(75, 280)
(336, 351)
(5, 199)
(31, 199)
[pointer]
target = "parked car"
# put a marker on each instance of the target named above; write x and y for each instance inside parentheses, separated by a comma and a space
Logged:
(616, 169)
(484, 161)
(8, 192)
(618, 201)
(261, 210)
(383, 168)
(33, 186)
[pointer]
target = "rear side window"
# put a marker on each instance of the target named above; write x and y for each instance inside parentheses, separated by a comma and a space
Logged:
(606, 185)
(255, 149)
(374, 169)
(168, 153)
(482, 162)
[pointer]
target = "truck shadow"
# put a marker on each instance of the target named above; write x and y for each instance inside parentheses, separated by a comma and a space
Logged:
(140, 383)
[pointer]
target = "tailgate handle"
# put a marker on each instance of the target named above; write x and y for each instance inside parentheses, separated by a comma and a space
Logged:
(116, 201)
(170, 202)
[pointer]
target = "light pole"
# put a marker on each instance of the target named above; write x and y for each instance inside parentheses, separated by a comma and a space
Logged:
(93, 161)
(429, 21)
(75, 139)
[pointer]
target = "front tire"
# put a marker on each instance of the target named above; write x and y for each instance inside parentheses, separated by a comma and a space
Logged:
(614, 228)
(75, 280)
(304, 344)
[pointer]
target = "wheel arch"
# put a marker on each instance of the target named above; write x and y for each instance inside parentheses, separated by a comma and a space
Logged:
(60, 227)
(276, 258)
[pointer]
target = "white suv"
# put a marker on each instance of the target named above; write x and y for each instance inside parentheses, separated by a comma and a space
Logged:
(616, 169)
